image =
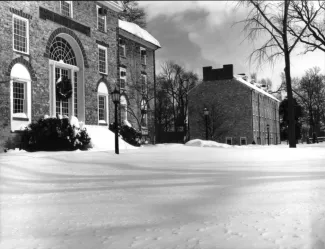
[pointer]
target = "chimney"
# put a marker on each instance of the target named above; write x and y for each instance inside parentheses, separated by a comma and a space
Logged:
(224, 73)
(207, 73)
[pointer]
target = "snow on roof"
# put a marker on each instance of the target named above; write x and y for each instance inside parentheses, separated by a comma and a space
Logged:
(239, 78)
(138, 31)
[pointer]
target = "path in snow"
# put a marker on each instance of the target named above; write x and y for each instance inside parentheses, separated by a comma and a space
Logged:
(164, 197)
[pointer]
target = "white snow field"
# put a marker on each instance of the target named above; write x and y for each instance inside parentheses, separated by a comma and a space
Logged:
(164, 197)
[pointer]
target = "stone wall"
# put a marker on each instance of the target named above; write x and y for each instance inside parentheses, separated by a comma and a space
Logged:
(40, 32)
(232, 102)
(132, 62)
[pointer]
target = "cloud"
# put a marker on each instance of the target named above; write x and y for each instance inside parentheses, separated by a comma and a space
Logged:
(202, 33)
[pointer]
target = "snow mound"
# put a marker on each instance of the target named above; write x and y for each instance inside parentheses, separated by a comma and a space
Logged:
(204, 143)
(104, 139)
(138, 31)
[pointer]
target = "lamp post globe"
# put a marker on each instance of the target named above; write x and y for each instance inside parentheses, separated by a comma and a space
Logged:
(116, 99)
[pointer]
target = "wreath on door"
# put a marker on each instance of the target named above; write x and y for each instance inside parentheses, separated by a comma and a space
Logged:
(64, 89)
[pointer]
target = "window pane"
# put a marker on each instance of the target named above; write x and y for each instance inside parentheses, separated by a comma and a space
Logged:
(102, 60)
(101, 107)
(101, 23)
(75, 95)
(65, 8)
(19, 96)
(20, 35)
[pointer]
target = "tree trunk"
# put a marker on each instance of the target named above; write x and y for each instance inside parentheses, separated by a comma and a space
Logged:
(291, 114)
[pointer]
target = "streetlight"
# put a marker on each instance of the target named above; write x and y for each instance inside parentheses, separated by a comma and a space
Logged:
(268, 134)
(116, 99)
(206, 114)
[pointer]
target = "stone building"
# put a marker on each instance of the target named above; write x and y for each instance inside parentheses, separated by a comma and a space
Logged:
(43, 43)
(239, 111)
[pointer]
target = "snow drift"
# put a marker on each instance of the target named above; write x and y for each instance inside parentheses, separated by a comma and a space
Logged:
(204, 143)
(104, 139)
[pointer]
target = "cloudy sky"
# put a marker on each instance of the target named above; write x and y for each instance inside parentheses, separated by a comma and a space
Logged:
(198, 33)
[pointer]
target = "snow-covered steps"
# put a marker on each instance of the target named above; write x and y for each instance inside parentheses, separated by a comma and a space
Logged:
(104, 139)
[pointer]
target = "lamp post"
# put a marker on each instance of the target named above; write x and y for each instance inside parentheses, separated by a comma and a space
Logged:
(268, 134)
(116, 99)
(206, 113)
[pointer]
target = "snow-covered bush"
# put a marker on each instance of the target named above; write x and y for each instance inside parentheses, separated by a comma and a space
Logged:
(128, 134)
(55, 134)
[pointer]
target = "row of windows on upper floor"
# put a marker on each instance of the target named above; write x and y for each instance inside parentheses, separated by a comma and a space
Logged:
(143, 81)
(21, 44)
(123, 51)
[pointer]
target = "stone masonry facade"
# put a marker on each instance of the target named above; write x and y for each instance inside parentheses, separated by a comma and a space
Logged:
(236, 108)
(132, 91)
(82, 29)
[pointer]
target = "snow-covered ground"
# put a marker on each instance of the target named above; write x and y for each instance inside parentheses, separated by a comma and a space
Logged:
(164, 196)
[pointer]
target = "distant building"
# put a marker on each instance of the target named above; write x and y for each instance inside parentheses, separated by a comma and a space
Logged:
(42, 42)
(239, 111)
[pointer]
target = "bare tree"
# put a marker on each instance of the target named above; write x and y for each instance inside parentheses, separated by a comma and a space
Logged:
(134, 13)
(177, 82)
(304, 14)
(310, 92)
(140, 96)
(272, 20)
(219, 120)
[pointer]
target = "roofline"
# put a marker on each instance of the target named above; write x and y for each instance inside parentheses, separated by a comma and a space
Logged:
(118, 7)
(138, 39)
(234, 78)
(258, 89)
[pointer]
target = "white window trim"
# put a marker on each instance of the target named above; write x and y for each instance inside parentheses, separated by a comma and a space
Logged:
(145, 58)
(105, 27)
(230, 139)
(71, 8)
(18, 124)
(27, 33)
(122, 69)
(103, 48)
(103, 121)
(245, 140)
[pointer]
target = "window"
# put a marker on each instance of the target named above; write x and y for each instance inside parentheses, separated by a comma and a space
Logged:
(19, 97)
(75, 85)
(123, 108)
(102, 104)
(229, 140)
(101, 107)
(101, 19)
(143, 54)
(144, 115)
(122, 77)
(102, 59)
(144, 84)
(122, 47)
(243, 141)
(66, 8)
(20, 28)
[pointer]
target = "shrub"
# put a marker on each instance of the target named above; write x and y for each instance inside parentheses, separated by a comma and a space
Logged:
(128, 134)
(55, 134)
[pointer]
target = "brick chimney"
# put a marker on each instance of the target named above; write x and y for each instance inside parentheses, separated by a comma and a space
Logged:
(224, 73)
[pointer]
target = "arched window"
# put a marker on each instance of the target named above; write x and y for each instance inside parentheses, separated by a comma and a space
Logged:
(20, 96)
(102, 104)
(61, 50)
(123, 102)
